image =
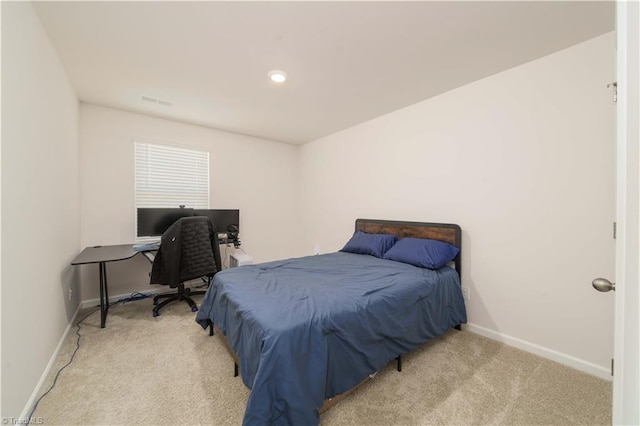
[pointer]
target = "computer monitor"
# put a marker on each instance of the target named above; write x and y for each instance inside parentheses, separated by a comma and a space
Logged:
(152, 222)
(221, 218)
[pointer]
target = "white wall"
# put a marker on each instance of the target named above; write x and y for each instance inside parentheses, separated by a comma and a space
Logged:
(257, 176)
(40, 203)
(524, 162)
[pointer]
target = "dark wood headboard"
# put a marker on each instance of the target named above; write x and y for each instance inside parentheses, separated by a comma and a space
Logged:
(447, 232)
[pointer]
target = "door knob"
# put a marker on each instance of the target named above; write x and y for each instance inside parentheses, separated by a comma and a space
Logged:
(603, 284)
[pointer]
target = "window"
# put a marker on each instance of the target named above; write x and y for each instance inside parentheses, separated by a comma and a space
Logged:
(169, 176)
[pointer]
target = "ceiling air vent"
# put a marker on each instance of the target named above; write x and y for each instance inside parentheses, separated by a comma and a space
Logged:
(156, 101)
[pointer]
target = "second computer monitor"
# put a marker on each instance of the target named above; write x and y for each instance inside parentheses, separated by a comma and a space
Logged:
(221, 219)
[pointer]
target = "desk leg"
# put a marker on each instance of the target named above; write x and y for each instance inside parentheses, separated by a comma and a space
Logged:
(104, 295)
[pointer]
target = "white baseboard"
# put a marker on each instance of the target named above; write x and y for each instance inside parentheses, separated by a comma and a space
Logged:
(568, 360)
(32, 399)
(150, 291)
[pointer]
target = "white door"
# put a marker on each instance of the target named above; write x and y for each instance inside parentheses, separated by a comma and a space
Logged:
(626, 378)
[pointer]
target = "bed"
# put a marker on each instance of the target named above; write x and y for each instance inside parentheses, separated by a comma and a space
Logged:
(306, 331)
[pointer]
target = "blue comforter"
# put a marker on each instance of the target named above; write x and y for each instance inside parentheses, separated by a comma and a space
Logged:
(309, 328)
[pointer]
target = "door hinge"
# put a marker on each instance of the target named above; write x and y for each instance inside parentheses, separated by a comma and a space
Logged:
(615, 229)
(615, 90)
(612, 366)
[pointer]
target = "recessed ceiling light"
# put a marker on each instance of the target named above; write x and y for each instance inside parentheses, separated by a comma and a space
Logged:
(278, 76)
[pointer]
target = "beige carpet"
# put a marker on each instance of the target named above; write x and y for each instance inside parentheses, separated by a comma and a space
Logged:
(167, 370)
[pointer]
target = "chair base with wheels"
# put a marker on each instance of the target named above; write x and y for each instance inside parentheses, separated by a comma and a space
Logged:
(183, 294)
(188, 250)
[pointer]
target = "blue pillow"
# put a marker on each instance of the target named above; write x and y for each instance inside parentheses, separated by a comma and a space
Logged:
(424, 253)
(373, 244)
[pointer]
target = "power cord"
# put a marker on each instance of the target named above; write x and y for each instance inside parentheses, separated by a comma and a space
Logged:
(55, 380)
(134, 296)
(205, 283)
(224, 263)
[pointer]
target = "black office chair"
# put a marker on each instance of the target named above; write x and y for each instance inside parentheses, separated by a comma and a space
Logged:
(188, 250)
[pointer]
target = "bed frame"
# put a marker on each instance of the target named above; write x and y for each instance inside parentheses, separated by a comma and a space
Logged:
(446, 232)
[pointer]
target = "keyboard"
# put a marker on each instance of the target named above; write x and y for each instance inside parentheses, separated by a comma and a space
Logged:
(147, 246)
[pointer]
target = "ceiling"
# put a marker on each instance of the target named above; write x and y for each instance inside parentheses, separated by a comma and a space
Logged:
(347, 62)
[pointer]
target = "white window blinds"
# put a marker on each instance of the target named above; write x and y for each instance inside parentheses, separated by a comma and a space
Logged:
(168, 176)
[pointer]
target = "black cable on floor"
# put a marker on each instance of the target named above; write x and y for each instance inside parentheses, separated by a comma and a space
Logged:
(134, 296)
(28, 420)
